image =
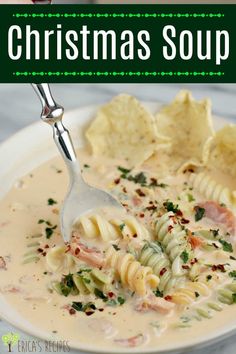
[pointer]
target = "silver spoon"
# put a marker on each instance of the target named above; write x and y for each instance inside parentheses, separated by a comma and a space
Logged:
(81, 197)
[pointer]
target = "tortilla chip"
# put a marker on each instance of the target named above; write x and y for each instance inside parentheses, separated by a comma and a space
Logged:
(189, 125)
(124, 129)
(222, 152)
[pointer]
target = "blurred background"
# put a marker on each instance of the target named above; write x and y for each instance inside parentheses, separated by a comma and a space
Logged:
(19, 105)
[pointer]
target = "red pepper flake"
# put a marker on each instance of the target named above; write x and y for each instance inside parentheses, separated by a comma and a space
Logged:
(72, 311)
(168, 298)
(101, 309)
(219, 267)
(141, 215)
(193, 261)
(117, 180)
(44, 254)
(124, 190)
(68, 247)
(153, 180)
(170, 227)
(135, 235)
(46, 246)
(173, 217)
(153, 207)
(184, 221)
(215, 245)
(140, 192)
(162, 272)
(3, 263)
(110, 294)
(40, 250)
(124, 205)
(77, 251)
(185, 266)
(89, 313)
(179, 213)
(151, 202)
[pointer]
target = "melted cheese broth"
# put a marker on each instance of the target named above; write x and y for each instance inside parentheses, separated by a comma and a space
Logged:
(25, 286)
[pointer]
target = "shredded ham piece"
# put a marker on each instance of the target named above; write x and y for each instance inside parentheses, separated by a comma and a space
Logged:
(219, 214)
(91, 256)
(154, 303)
(195, 241)
(132, 342)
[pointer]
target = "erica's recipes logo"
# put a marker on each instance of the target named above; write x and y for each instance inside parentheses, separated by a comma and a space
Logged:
(11, 340)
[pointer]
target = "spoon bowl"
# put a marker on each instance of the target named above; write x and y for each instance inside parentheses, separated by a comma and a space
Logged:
(81, 197)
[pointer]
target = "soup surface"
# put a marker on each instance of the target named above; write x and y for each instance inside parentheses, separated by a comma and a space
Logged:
(163, 271)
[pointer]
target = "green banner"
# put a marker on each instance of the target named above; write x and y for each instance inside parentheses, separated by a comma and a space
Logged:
(118, 43)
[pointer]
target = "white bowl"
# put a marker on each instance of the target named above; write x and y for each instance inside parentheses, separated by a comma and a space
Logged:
(31, 147)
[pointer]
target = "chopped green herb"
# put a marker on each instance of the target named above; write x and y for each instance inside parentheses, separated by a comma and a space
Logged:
(227, 247)
(171, 207)
(100, 294)
(184, 256)
(89, 306)
(49, 231)
(215, 233)
(197, 294)
(65, 290)
(208, 277)
(234, 297)
(190, 198)
(121, 300)
(233, 274)
(116, 247)
(68, 280)
(112, 302)
(121, 227)
(45, 273)
(233, 258)
(158, 293)
(124, 171)
(86, 270)
(139, 178)
(199, 213)
(154, 183)
(41, 221)
(86, 166)
(78, 306)
(51, 201)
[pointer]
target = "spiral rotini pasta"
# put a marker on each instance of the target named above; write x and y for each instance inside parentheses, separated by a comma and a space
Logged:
(212, 190)
(173, 239)
(206, 311)
(96, 226)
(152, 256)
(57, 259)
(190, 293)
(131, 273)
(226, 295)
(85, 281)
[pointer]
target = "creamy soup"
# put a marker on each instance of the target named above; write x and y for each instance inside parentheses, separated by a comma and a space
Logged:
(178, 277)
(162, 272)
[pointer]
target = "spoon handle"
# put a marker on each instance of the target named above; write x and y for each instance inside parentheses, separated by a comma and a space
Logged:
(52, 114)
